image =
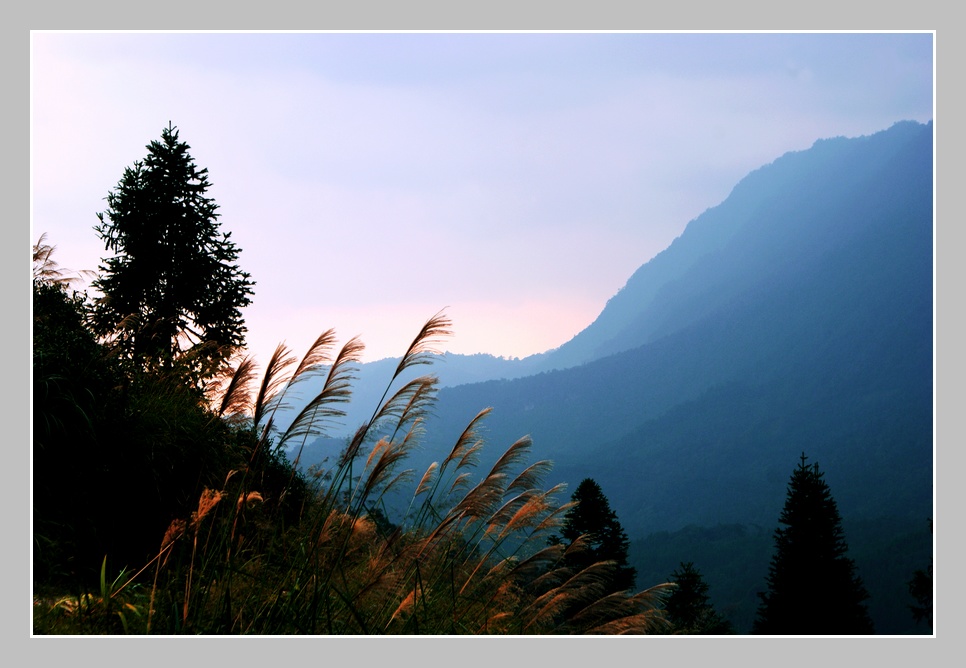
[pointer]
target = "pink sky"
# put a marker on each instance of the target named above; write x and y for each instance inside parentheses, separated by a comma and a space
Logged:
(517, 179)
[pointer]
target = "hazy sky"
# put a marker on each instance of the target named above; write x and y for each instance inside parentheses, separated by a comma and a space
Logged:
(516, 179)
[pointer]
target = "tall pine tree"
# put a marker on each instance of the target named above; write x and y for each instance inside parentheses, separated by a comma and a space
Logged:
(813, 588)
(173, 284)
(593, 518)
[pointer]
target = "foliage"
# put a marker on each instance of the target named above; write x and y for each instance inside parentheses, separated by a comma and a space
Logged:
(920, 588)
(173, 284)
(812, 585)
(591, 519)
(262, 551)
(688, 608)
(117, 450)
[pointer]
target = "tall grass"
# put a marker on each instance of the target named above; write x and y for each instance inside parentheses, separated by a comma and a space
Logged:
(296, 554)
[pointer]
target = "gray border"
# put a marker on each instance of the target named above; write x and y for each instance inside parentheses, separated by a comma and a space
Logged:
(439, 15)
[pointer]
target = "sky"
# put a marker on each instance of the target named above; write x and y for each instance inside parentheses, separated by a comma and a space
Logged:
(516, 180)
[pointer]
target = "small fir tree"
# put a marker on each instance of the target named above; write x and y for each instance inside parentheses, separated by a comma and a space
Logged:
(593, 518)
(812, 587)
(689, 609)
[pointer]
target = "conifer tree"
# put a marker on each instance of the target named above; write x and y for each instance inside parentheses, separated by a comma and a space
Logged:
(173, 284)
(688, 607)
(593, 517)
(813, 588)
(920, 588)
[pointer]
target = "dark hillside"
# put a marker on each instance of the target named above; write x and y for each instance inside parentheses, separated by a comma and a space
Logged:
(796, 316)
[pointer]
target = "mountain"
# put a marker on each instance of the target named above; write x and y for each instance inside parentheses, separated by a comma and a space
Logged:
(372, 378)
(796, 316)
(789, 211)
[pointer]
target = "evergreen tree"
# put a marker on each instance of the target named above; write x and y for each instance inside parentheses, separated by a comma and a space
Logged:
(593, 518)
(812, 586)
(920, 588)
(172, 285)
(689, 609)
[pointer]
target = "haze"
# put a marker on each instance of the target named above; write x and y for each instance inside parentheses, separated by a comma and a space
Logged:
(516, 179)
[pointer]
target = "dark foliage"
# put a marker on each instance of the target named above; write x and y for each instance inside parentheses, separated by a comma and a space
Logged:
(593, 518)
(812, 585)
(120, 450)
(173, 284)
(689, 608)
(920, 588)
(75, 392)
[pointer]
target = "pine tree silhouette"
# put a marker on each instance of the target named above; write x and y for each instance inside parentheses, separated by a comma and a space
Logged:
(813, 588)
(593, 517)
(689, 608)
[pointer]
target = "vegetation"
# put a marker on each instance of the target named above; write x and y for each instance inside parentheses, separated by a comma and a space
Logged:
(920, 588)
(171, 493)
(195, 486)
(592, 520)
(812, 585)
(172, 286)
(688, 608)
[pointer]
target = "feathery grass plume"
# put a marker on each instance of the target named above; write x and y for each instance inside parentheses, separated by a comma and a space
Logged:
(46, 270)
(381, 460)
(556, 576)
(317, 356)
(538, 563)
(209, 499)
(404, 608)
(555, 518)
(236, 393)
(531, 477)
(486, 497)
(601, 610)
(248, 499)
(638, 614)
(460, 481)
(502, 515)
(422, 348)
(532, 509)
(513, 455)
(483, 498)
(175, 530)
(465, 450)
(411, 402)
(423, 485)
(273, 380)
(336, 389)
(643, 623)
(472, 560)
(468, 440)
(582, 588)
(277, 384)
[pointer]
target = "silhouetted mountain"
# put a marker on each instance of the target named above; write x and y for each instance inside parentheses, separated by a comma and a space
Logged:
(372, 379)
(795, 316)
(778, 221)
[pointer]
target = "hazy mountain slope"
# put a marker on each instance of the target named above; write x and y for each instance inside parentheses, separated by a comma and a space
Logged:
(804, 324)
(788, 211)
(372, 378)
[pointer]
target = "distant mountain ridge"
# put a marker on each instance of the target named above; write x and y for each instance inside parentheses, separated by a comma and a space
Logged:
(796, 316)
(660, 296)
